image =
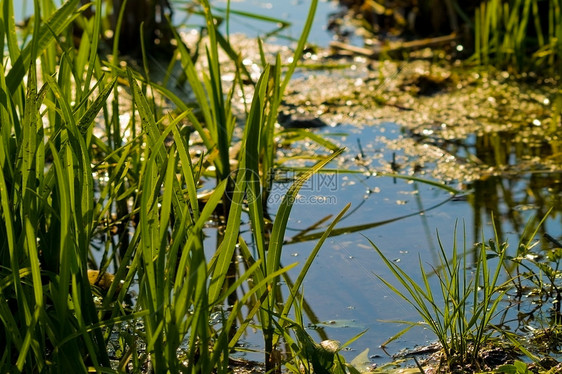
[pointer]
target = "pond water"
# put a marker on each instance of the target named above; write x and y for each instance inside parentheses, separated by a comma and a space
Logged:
(341, 286)
(294, 11)
(404, 219)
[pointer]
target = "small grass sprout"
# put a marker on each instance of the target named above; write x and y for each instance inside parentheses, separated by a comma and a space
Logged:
(460, 308)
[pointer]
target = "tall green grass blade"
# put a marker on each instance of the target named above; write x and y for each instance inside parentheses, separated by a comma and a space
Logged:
(223, 257)
(206, 107)
(187, 168)
(89, 116)
(84, 207)
(293, 292)
(306, 266)
(80, 186)
(251, 146)
(273, 258)
(95, 31)
(253, 16)
(299, 134)
(220, 126)
(282, 217)
(148, 297)
(151, 128)
(30, 253)
(56, 24)
(234, 56)
(300, 45)
(9, 30)
(117, 32)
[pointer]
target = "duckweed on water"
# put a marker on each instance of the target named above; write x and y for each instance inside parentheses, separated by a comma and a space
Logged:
(474, 125)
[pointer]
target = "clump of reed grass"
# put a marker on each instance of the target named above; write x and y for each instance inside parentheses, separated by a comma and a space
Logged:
(69, 177)
(525, 34)
(461, 308)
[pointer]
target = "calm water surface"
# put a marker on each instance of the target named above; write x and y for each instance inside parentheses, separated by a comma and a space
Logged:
(341, 287)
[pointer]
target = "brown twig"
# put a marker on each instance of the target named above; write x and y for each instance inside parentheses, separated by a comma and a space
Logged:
(390, 48)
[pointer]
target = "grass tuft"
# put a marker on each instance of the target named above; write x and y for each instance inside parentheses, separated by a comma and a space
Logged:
(461, 307)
